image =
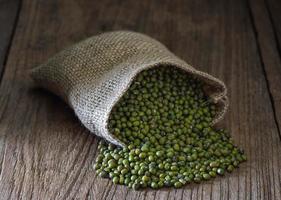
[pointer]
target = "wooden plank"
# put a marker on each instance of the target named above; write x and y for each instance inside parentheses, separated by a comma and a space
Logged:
(48, 155)
(8, 13)
(269, 51)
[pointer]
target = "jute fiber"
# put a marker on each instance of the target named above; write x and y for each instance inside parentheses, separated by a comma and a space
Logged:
(92, 75)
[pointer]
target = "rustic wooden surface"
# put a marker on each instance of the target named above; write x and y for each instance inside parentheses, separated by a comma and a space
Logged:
(46, 154)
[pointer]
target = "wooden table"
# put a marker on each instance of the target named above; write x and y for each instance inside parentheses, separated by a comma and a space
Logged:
(45, 153)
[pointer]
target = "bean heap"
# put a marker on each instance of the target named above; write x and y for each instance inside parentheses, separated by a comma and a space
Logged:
(164, 120)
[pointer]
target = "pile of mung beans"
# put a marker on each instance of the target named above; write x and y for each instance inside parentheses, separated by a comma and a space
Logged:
(164, 120)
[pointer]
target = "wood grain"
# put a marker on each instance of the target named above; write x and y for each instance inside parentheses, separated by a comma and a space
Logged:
(268, 48)
(47, 154)
(8, 16)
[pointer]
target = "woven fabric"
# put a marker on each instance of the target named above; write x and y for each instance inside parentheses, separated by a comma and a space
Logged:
(92, 75)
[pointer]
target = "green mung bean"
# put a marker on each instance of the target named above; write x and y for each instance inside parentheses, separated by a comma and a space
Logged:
(165, 121)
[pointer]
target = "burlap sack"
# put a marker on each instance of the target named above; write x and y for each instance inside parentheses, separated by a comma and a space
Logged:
(92, 75)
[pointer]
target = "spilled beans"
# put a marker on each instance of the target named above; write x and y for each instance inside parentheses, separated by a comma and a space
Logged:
(164, 119)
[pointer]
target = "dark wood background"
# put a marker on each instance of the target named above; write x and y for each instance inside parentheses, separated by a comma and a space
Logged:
(46, 154)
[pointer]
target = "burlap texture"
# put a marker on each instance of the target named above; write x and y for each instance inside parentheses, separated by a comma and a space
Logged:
(92, 75)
